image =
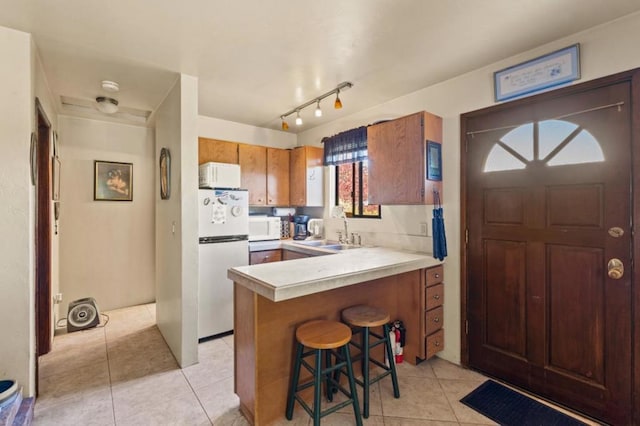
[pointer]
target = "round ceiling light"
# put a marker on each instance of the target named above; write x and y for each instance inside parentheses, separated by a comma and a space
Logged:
(110, 86)
(107, 105)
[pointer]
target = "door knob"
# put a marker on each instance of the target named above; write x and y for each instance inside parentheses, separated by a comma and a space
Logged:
(615, 268)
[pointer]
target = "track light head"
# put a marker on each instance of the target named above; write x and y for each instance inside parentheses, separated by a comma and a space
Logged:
(338, 103)
(298, 119)
(318, 110)
(285, 125)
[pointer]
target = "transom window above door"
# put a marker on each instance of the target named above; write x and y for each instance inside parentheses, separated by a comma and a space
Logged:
(550, 142)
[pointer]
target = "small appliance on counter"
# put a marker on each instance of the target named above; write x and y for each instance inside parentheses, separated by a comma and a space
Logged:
(286, 221)
(262, 227)
(285, 228)
(315, 227)
(300, 227)
(219, 175)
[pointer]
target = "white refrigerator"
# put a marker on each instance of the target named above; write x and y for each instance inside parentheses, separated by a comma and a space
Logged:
(223, 231)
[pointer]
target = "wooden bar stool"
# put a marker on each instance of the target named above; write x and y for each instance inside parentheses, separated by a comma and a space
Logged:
(328, 338)
(366, 317)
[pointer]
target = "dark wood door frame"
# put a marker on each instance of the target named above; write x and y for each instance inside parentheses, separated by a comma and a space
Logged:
(632, 76)
(43, 233)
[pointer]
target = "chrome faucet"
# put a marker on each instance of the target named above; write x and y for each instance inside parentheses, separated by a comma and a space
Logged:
(346, 229)
(338, 212)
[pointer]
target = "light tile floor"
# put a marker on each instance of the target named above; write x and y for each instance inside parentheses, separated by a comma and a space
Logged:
(124, 374)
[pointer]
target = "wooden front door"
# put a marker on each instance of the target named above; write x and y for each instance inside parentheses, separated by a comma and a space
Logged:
(548, 202)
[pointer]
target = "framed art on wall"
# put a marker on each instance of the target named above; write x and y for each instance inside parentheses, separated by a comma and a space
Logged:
(33, 161)
(55, 178)
(165, 174)
(112, 181)
(434, 161)
(538, 74)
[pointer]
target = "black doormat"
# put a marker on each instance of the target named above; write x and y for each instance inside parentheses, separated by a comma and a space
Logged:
(510, 408)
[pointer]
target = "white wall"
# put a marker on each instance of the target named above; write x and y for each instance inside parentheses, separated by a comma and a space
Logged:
(17, 334)
(216, 128)
(605, 50)
(177, 222)
(107, 248)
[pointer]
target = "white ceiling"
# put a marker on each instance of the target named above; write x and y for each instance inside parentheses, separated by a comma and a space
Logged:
(256, 59)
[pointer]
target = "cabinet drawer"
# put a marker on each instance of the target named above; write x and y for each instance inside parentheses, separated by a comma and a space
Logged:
(434, 275)
(434, 320)
(265, 256)
(435, 296)
(435, 343)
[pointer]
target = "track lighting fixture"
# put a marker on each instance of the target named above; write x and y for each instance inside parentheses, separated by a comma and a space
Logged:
(318, 112)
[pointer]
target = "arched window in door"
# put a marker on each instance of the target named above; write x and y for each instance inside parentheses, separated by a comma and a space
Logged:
(555, 143)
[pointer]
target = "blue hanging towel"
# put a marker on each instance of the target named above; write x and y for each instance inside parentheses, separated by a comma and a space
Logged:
(437, 224)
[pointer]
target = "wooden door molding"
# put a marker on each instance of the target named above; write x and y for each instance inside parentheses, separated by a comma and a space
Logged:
(43, 233)
(632, 77)
(635, 179)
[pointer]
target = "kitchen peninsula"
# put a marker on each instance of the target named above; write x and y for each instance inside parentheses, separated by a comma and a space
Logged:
(272, 299)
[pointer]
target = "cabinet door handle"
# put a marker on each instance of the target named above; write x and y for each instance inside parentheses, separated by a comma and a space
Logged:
(437, 343)
(437, 275)
(436, 319)
(436, 296)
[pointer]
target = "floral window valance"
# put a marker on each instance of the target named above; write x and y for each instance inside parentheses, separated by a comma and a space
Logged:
(346, 147)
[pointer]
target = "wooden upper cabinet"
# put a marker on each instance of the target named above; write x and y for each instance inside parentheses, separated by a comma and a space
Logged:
(264, 171)
(397, 159)
(306, 177)
(217, 151)
(297, 194)
(277, 177)
(253, 172)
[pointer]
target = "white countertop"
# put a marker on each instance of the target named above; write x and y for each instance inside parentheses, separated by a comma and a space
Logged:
(279, 281)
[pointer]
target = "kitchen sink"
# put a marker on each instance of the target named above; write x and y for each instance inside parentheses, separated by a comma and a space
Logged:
(313, 243)
(326, 244)
(338, 246)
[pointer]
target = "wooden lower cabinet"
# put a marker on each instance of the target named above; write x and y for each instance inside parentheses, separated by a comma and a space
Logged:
(265, 256)
(432, 305)
(290, 255)
(264, 336)
(435, 343)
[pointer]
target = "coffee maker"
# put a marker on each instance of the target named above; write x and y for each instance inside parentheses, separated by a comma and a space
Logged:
(300, 226)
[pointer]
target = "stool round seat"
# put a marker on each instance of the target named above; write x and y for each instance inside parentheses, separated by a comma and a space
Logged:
(328, 341)
(323, 334)
(365, 316)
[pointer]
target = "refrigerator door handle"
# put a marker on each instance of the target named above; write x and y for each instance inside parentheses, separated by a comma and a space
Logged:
(224, 239)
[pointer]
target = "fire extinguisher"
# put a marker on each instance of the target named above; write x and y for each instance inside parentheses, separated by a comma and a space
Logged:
(392, 342)
(399, 339)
